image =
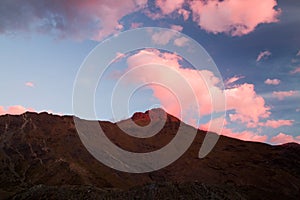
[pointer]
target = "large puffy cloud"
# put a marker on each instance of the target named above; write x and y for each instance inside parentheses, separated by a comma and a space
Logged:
(249, 107)
(282, 138)
(243, 102)
(93, 19)
(235, 17)
(184, 82)
(14, 110)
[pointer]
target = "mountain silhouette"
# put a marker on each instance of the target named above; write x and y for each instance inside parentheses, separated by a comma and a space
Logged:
(42, 157)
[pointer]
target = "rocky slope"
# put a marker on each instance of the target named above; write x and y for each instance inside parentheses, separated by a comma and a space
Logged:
(42, 157)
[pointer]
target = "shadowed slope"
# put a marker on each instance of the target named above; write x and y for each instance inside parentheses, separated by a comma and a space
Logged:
(45, 150)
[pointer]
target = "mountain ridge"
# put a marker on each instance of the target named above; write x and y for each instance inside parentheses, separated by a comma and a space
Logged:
(42, 149)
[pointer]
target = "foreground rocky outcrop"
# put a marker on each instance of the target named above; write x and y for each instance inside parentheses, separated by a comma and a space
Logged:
(42, 157)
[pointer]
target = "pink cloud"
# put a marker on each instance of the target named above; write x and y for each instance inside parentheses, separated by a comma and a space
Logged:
(119, 57)
(248, 106)
(282, 138)
(252, 136)
(183, 82)
(169, 6)
(244, 135)
(231, 80)
(272, 81)
(14, 110)
(234, 17)
(282, 94)
(18, 110)
(180, 42)
(163, 37)
(2, 110)
(295, 71)
(277, 123)
(93, 19)
(136, 25)
(176, 27)
(263, 54)
(29, 84)
(185, 14)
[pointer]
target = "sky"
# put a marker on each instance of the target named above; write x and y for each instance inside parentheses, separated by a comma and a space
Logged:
(254, 44)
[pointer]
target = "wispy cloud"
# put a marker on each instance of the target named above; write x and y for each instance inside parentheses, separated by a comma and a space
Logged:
(263, 55)
(233, 79)
(277, 123)
(295, 71)
(282, 94)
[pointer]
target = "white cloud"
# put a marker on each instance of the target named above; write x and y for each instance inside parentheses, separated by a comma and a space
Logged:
(176, 27)
(29, 84)
(180, 42)
(185, 14)
(163, 37)
(272, 81)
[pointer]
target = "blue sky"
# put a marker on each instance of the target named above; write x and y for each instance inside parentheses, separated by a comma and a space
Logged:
(43, 47)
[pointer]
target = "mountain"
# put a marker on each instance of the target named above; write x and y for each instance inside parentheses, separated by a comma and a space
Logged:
(42, 157)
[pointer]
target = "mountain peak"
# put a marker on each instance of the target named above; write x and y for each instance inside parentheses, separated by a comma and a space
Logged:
(154, 114)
